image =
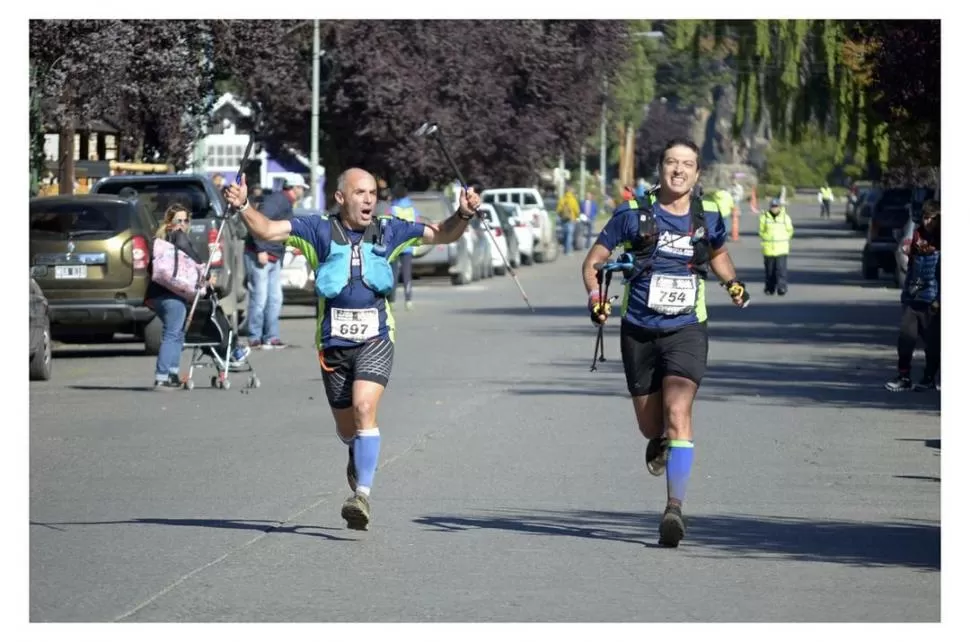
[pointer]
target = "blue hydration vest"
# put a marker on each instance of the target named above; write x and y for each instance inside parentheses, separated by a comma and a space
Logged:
(334, 274)
(921, 284)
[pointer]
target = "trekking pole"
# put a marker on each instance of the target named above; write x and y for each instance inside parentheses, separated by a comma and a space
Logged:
(222, 222)
(604, 276)
(432, 130)
(598, 346)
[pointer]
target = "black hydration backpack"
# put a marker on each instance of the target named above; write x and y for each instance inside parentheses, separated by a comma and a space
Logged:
(645, 246)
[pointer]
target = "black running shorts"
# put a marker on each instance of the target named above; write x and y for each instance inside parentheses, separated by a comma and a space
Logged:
(649, 356)
(341, 367)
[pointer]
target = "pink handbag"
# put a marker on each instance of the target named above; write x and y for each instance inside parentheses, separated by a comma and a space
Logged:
(174, 270)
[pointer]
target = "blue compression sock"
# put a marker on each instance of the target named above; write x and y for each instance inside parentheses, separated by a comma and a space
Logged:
(678, 468)
(367, 449)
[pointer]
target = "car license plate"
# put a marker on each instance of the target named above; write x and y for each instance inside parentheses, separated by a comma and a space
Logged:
(70, 272)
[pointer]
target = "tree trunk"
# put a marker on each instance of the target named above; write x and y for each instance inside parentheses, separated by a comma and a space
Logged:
(66, 153)
(621, 159)
(630, 155)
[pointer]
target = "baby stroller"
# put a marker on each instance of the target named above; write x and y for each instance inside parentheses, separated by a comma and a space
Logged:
(211, 338)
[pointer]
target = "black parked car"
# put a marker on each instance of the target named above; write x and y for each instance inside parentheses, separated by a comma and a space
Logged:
(889, 216)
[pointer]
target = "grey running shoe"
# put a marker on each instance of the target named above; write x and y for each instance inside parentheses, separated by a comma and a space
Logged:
(351, 469)
(899, 384)
(657, 454)
(356, 511)
(672, 527)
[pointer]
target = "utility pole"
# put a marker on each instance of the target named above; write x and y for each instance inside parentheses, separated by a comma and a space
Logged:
(582, 172)
(315, 121)
(561, 182)
(603, 141)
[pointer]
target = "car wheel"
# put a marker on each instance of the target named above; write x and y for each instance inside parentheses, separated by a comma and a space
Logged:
(870, 270)
(153, 336)
(43, 360)
(899, 277)
(552, 252)
(465, 272)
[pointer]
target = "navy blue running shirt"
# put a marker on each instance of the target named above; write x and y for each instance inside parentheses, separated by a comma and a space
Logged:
(673, 253)
(356, 315)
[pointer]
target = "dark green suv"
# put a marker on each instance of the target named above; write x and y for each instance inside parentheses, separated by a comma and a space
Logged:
(89, 254)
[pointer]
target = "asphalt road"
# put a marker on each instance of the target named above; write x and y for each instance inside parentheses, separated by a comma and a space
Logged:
(512, 484)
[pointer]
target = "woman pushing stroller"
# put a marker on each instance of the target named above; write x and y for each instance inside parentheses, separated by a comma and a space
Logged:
(171, 307)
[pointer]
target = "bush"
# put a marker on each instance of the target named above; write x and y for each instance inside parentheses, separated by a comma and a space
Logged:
(771, 190)
(810, 162)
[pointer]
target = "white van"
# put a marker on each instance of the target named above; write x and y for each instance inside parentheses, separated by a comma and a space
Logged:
(529, 199)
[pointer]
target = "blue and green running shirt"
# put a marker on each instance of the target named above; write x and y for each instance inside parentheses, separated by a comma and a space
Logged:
(357, 315)
(670, 274)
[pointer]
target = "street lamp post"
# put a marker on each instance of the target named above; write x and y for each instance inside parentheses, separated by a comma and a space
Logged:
(603, 141)
(315, 120)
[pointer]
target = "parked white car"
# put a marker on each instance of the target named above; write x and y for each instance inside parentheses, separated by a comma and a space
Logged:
(498, 235)
(523, 232)
(546, 245)
(296, 277)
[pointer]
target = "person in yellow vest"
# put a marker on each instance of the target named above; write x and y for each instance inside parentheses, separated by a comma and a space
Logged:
(775, 229)
(403, 208)
(725, 202)
(568, 210)
(825, 198)
(725, 205)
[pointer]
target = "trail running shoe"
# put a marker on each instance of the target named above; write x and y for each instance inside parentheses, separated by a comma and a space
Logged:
(672, 527)
(351, 469)
(356, 511)
(657, 454)
(899, 384)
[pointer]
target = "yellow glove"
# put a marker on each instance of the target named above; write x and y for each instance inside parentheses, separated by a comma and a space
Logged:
(599, 311)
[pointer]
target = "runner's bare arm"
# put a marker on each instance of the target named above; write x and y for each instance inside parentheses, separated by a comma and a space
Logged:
(451, 229)
(723, 266)
(597, 254)
(448, 231)
(262, 227)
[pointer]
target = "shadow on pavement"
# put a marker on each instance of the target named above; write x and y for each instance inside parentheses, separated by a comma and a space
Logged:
(264, 526)
(146, 388)
(833, 383)
(919, 477)
(929, 443)
(775, 321)
(829, 254)
(852, 543)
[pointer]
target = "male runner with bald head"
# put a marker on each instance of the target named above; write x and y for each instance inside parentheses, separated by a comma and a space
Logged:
(351, 255)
